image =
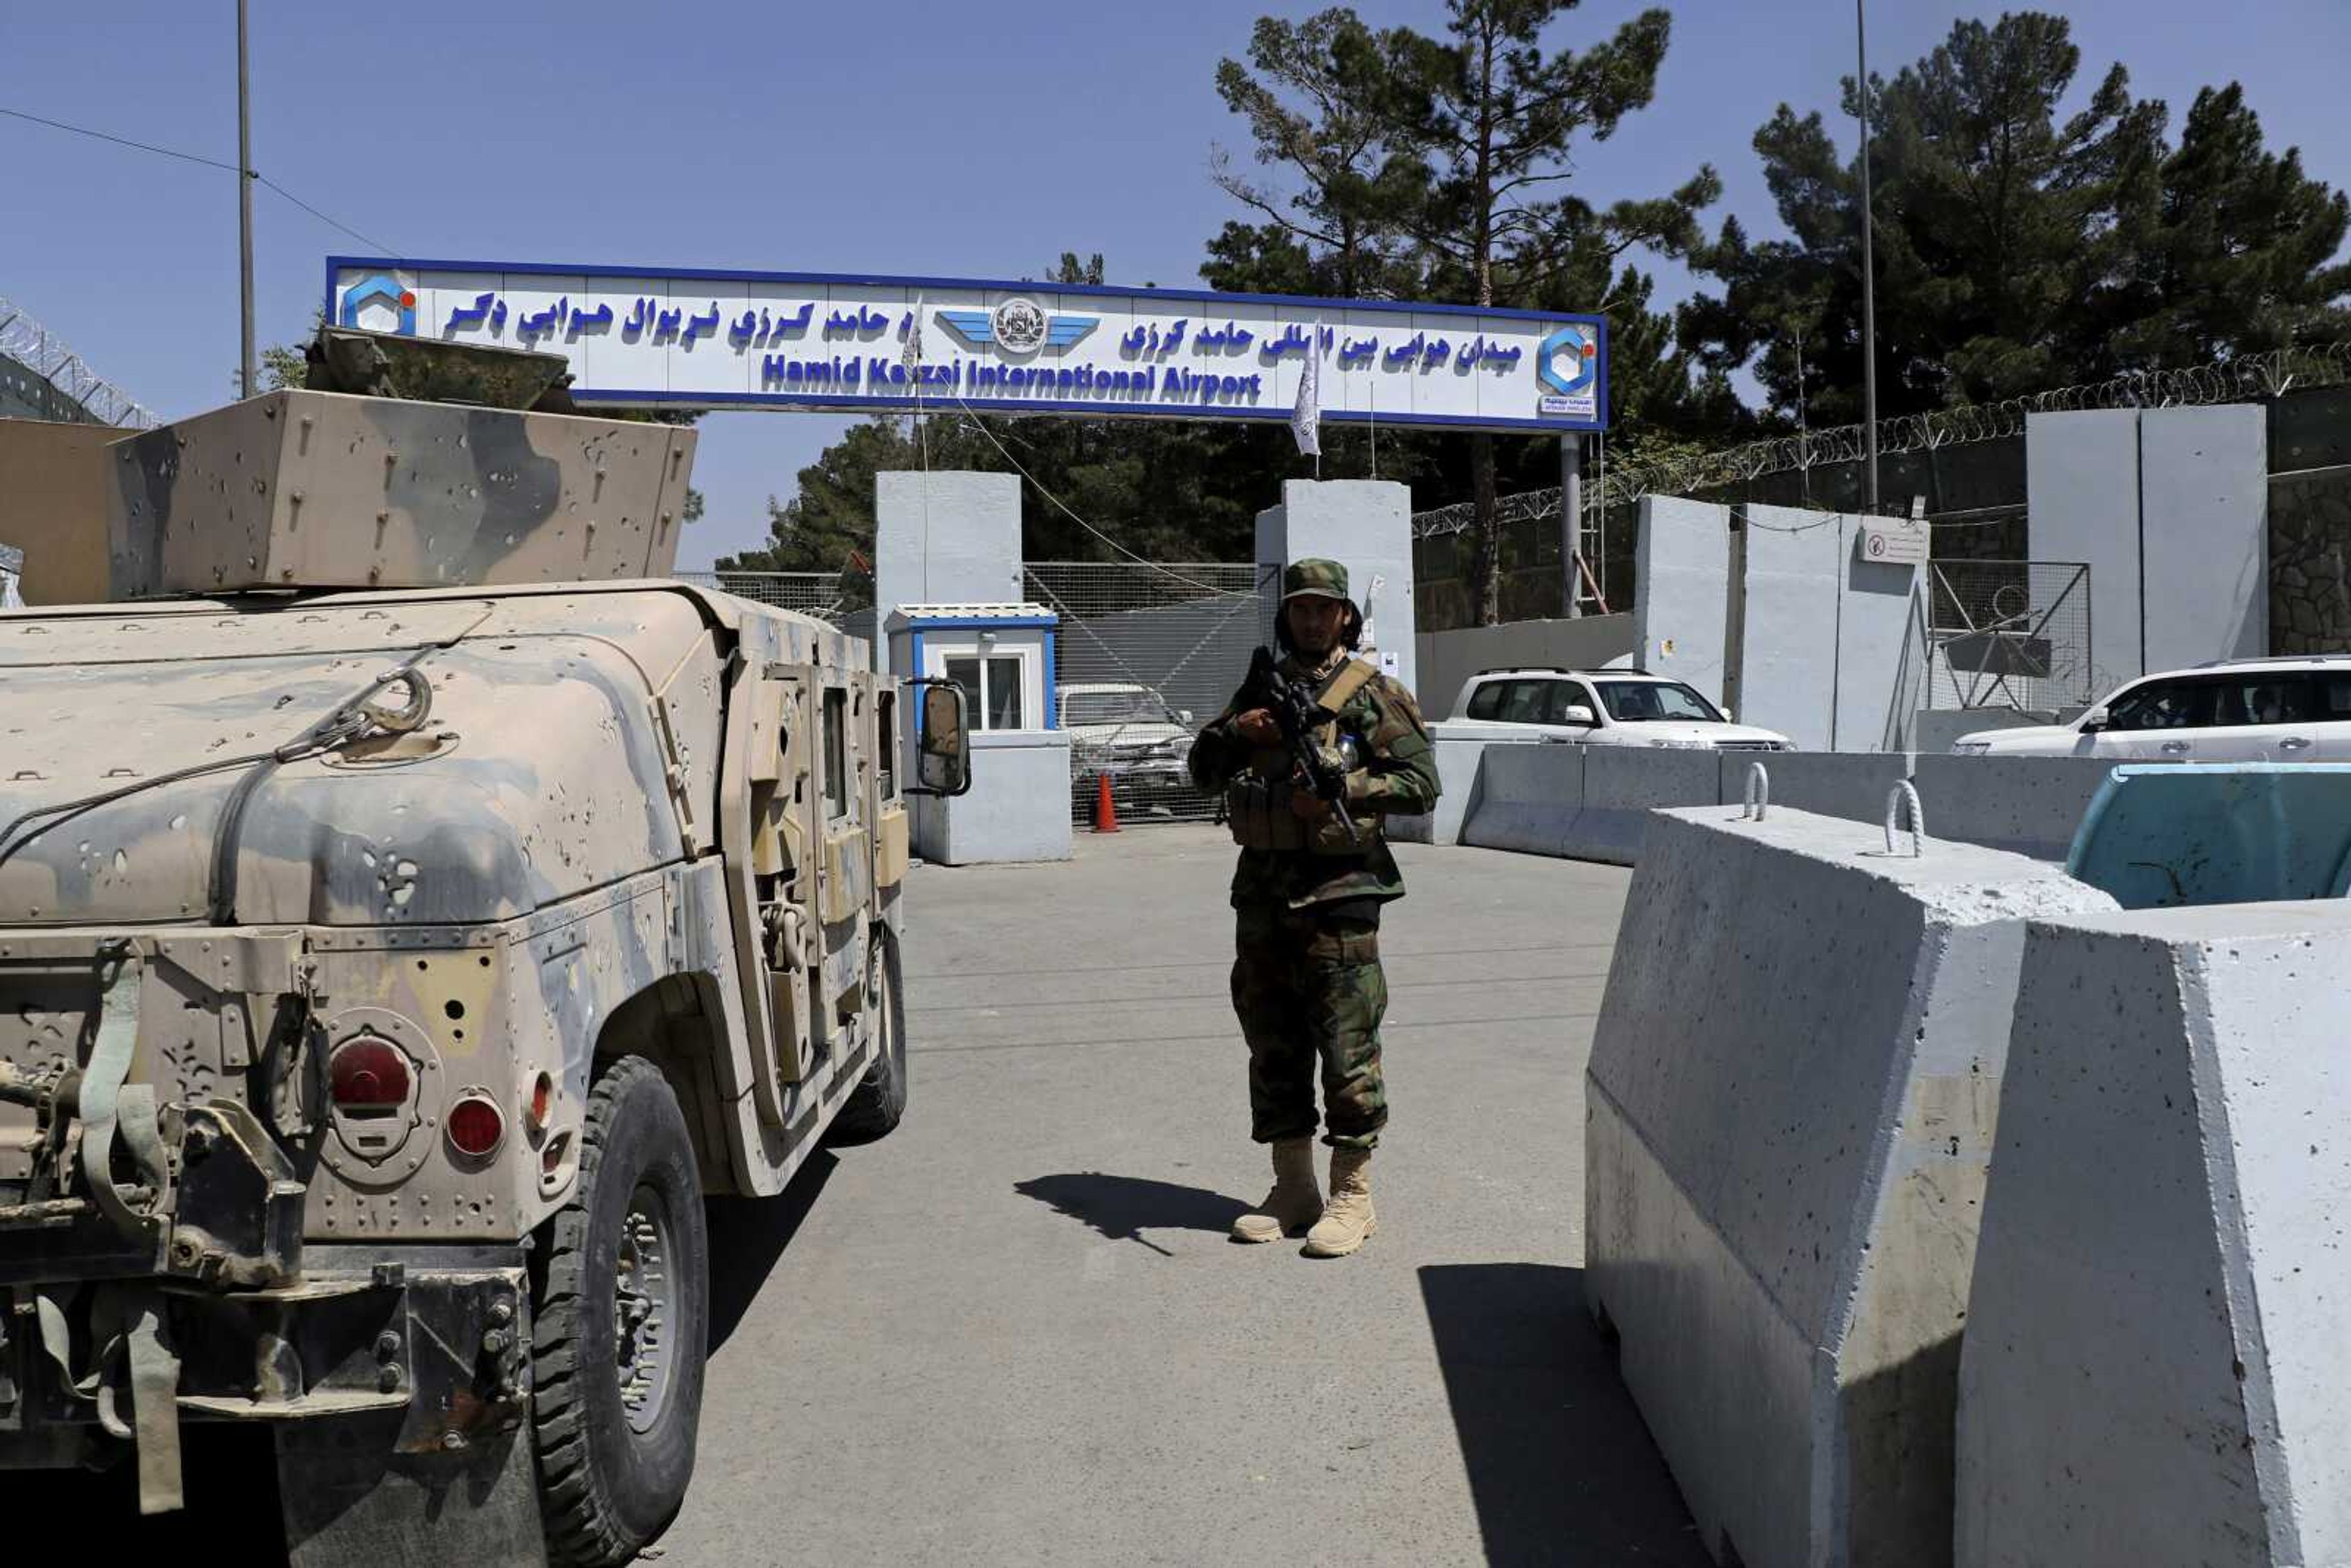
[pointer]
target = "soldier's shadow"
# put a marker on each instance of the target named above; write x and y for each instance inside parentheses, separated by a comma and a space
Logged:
(1124, 1208)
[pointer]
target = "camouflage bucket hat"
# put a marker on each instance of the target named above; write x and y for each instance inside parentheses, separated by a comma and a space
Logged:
(1317, 577)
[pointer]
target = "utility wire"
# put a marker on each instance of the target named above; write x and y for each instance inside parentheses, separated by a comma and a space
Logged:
(118, 140)
(981, 426)
(330, 223)
(208, 162)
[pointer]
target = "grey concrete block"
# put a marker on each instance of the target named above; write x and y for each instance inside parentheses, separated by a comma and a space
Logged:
(1017, 809)
(946, 538)
(1826, 783)
(1528, 798)
(1791, 1103)
(1832, 649)
(1366, 525)
(2204, 477)
(2082, 491)
(2154, 1369)
(1881, 677)
(1459, 783)
(1682, 594)
(2028, 804)
(1788, 644)
(1624, 784)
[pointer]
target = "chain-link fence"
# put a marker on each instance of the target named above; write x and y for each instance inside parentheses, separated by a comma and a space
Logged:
(817, 593)
(2009, 634)
(1144, 655)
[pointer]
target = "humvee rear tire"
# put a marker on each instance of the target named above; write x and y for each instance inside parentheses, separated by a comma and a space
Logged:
(621, 1278)
(878, 1103)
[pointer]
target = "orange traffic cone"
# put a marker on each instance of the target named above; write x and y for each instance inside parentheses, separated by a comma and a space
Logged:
(1105, 808)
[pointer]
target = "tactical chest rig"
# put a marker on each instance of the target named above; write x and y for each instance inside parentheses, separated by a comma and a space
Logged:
(1258, 798)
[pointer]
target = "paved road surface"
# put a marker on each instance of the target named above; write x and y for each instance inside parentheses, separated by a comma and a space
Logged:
(1014, 1332)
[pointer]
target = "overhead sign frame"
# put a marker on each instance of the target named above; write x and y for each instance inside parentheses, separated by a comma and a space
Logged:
(839, 343)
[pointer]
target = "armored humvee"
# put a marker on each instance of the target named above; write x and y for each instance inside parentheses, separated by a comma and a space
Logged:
(411, 905)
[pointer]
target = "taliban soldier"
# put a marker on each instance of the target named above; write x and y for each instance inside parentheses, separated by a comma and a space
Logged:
(1306, 980)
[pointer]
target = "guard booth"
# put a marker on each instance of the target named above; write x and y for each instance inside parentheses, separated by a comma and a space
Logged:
(1002, 655)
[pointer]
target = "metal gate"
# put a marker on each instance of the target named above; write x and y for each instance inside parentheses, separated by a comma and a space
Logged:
(1145, 656)
(2009, 634)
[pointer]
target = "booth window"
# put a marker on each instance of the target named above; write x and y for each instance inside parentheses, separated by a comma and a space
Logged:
(992, 689)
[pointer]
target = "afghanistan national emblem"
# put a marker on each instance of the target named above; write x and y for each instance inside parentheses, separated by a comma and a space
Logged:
(1019, 326)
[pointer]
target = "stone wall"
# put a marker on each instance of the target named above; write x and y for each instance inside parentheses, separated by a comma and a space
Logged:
(2310, 522)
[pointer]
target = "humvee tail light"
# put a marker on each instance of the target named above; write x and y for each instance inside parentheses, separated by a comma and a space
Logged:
(476, 1126)
(369, 1073)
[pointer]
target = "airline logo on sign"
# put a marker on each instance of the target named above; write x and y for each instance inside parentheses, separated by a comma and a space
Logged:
(1567, 366)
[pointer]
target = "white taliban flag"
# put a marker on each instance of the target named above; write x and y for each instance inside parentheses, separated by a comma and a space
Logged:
(1306, 420)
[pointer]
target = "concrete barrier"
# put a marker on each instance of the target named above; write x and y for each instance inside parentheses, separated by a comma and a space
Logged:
(2155, 1368)
(1528, 798)
(2028, 804)
(1597, 809)
(1789, 1112)
(1460, 785)
(1623, 784)
(1851, 785)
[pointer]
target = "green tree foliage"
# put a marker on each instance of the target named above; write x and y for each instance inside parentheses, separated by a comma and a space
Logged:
(2242, 254)
(2018, 248)
(1439, 168)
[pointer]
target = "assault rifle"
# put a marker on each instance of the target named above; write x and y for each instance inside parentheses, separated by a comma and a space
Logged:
(1293, 707)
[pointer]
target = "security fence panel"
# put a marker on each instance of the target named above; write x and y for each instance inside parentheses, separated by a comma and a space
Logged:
(2009, 634)
(817, 593)
(1145, 654)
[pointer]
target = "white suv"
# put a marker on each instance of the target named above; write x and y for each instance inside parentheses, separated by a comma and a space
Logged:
(1604, 707)
(2238, 710)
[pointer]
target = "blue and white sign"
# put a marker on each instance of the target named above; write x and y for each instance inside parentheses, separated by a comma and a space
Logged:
(799, 340)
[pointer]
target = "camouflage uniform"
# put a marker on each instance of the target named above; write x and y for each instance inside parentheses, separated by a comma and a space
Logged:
(1306, 977)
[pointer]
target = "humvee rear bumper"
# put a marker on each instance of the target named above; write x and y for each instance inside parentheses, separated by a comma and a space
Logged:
(394, 1360)
(152, 1267)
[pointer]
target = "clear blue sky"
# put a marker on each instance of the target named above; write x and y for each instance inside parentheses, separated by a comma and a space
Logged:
(915, 138)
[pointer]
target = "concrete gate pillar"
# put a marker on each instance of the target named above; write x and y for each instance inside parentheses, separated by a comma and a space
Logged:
(954, 539)
(1365, 525)
(946, 538)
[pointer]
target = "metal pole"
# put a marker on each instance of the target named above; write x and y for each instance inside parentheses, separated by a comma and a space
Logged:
(246, 381)
(1571, 520)
(1868, 266)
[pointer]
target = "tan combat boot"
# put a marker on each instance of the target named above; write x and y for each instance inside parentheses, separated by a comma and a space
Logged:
(1293, 1203)
(1347, 1219)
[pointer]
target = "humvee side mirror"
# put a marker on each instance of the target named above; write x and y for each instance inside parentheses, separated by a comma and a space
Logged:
(942, 741)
